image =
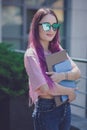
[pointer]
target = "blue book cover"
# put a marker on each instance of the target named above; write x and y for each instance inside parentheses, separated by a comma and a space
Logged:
(64, 66)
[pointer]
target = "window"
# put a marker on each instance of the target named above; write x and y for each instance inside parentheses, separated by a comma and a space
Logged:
(13, 1)
(17, 16)
(11, 23)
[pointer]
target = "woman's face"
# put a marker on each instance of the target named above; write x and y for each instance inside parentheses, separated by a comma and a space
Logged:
(47, 33)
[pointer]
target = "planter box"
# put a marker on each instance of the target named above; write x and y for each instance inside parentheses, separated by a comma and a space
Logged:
(20, 114)
(4, 111)
(15, 114)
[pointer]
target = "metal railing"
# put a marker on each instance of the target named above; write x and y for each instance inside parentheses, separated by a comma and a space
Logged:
(78, 60)
(83, 61)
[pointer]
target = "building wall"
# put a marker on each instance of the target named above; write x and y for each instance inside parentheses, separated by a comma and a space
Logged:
(78, 47)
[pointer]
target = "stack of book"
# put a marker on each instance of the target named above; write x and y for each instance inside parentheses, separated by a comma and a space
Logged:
(59, 62)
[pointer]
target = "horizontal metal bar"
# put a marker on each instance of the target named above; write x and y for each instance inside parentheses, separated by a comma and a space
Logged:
(81, 92)
(79, 60)
(84, 77)
(79, 106)
(19, 51)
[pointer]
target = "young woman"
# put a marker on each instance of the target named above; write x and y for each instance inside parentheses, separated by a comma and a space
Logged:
(43, 85)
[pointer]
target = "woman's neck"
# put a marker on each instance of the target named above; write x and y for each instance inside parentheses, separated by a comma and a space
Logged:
(45, 45)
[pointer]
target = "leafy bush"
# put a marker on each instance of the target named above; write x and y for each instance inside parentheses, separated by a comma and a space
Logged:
(13, 78)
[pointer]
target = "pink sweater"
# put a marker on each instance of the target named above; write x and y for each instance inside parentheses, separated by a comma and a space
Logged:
(36, 78)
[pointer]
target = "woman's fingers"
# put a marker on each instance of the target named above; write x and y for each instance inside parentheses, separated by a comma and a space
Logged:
(50, 73)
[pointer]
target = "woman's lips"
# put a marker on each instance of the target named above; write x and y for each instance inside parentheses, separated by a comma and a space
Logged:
(50, 35)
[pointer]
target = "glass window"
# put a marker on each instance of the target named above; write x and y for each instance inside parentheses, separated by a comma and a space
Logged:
(30, 14)
(56, 3)
(13, 17)
(60, 16)
(58, 6)
(13, 1)
(11, 21)
(34, 2)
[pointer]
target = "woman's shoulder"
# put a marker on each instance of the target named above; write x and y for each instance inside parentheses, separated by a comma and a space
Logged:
(30, 52)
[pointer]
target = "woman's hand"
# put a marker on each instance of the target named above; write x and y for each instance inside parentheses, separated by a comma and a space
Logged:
(61, 90)
(56, 77)
(72, 94)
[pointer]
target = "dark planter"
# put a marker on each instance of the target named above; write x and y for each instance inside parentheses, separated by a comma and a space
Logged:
(74, 128)
(4, 111)
(20, 114)
(15, 114)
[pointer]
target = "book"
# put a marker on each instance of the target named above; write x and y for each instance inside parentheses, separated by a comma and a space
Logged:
(59, 62)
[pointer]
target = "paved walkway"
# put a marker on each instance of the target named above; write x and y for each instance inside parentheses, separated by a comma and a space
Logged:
(79, 122)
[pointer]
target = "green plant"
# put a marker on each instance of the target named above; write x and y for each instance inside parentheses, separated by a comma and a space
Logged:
(13, 78)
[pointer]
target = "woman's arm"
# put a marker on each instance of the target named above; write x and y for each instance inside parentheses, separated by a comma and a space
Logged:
(73, 74)
(57, 90)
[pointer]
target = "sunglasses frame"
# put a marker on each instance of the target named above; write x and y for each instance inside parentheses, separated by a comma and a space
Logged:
(50, 25)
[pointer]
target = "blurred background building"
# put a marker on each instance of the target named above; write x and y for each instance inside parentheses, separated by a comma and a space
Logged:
(15, 20)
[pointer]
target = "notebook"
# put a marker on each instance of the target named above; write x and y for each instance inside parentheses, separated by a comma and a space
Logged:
(59, 62)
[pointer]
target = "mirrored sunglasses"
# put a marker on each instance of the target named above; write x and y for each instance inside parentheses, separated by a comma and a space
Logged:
(47, 26)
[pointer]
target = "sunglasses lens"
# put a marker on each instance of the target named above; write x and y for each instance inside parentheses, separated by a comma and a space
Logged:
(46, 26)
(56, 26)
